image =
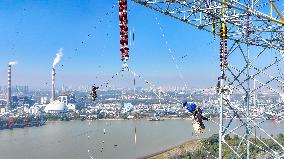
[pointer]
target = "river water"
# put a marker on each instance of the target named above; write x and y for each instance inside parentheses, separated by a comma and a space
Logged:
(104, 139)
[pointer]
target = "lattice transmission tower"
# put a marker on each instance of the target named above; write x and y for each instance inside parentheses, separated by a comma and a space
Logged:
(251, 57)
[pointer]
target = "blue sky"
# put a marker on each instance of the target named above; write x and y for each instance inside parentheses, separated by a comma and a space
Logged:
(31, 32)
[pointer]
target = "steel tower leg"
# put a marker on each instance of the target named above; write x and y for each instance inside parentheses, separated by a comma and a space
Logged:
(248, 88)
(248, 106)
(221, 116)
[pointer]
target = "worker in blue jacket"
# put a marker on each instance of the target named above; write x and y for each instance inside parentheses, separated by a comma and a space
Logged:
(196, 112)
(191, 107)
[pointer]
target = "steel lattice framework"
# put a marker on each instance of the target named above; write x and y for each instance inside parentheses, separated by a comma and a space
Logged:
(207, 14)
(250, 32)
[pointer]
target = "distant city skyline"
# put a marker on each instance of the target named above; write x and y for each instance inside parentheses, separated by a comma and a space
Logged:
(88, 31)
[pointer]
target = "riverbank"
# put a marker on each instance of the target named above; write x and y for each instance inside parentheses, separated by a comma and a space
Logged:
(11, 122)
(173, 152)
(209, 146)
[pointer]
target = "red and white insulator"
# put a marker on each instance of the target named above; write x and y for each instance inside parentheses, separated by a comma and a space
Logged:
(123, 24)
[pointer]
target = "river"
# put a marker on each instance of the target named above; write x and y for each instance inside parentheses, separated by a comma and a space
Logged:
(103, 139)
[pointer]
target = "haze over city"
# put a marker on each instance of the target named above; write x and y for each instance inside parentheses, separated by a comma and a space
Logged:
(151, 79)
(33, 32)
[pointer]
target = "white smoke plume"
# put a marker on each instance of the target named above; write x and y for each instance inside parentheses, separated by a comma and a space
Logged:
(13, 63)
(58, 57)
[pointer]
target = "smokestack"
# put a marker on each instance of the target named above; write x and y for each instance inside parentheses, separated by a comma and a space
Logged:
(57, 59)
(53, 85)
(9, 87)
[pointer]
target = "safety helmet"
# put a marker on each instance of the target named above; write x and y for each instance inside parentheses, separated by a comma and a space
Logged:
(184, 102)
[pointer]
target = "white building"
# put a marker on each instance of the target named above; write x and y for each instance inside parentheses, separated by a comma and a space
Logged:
(60, 106)
(127, 107)
(56, 107)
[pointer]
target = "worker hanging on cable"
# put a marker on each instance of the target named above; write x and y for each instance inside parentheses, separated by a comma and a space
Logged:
(198, 118)
(94, 92)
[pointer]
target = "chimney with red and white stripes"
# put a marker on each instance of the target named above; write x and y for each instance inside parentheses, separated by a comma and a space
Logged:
(53, 85)
(9, 87)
